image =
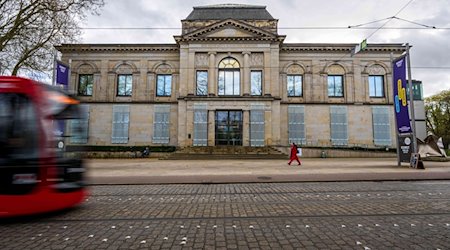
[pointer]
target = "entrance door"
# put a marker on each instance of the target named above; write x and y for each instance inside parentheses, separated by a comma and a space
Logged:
(229, 128)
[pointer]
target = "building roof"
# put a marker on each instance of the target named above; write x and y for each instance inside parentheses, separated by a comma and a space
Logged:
(233, 11)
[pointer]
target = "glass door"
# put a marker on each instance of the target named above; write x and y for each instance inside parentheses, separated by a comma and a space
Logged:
(229, 128)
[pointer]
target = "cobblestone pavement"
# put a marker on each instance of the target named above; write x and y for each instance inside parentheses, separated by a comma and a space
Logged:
(345, 215)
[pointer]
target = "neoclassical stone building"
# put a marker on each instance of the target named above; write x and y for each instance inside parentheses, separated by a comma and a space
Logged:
(230, 79)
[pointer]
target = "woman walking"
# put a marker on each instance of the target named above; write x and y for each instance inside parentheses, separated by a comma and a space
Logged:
(293, 156)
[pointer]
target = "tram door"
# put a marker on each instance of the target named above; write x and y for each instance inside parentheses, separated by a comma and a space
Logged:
(229, 128)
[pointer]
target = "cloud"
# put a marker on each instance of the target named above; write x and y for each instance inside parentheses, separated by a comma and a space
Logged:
(430, 47)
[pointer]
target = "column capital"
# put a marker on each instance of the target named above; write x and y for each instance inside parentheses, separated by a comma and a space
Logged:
(246, 53)
(212, 53)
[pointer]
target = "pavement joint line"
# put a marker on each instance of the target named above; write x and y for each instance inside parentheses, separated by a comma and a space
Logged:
(263, 193)
(316, 201)
(245, 218)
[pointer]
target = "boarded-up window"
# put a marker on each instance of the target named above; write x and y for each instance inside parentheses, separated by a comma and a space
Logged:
(161, 124)
(200, 125)
(338, 120)
(381, 126)
(121, 120)
(257, 126)
(296, 128)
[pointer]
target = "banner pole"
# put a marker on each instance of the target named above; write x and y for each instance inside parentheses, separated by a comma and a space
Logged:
(54, 68)
(411, 102)
(395, 119)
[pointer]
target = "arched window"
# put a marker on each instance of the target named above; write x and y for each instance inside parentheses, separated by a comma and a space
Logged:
(229, 77)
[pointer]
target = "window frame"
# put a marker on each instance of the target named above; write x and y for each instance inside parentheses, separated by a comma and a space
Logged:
(334, 85)
(381, 126)
(339, 125)
(161, 124)
(120, 124)
(296, 124)
(226, 66)
(301, 85)
(205, 92)
(90, 77)
(127, 76)
(382, 95)
(165, 76)
(260, 72)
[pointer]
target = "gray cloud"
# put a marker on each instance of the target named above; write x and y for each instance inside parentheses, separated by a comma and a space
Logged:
(430, 47)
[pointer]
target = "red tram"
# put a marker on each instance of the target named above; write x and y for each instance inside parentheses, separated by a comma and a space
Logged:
(35, 175)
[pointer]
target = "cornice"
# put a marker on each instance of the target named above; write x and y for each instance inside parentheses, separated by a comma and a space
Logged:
(117, 47)
(341, 47)
(214, 39)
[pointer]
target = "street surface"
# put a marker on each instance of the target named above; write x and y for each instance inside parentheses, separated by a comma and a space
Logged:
(343, 215)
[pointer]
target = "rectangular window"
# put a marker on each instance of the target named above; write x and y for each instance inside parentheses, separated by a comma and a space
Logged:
(336, 86)
(161, 124)
(121, 120)
(229, 82)
(124, 85)
(202, 82)
(381, 126)
(200, 125)
(164, 85)
(376, 86)
(256, 82)
(79, 128)
(85, 84)
(294, 85)
(338, 125)
(257, 125)
(296, 126)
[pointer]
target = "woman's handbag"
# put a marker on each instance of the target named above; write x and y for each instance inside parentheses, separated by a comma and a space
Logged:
(299, 151)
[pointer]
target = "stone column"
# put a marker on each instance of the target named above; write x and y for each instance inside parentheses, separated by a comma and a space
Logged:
(246, 73)
(112, 86)
(151, 85)
(142, 84)
(308, 85)
(184, 65)
(268, 128)
(388, 88)
(103, 86)
(135, 86)
(275, 122)
(283, 80)
(212, 75)
(246, 128)
(349, 88)
(211, 128)
(182, 120)
(175, 87)
(191, 74)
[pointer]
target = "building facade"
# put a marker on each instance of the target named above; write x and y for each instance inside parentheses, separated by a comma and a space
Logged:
(230, 79)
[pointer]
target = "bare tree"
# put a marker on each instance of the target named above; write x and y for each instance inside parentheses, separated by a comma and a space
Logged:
(30, 28)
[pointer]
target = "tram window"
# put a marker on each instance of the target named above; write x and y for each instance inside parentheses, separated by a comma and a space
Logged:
(18, 127)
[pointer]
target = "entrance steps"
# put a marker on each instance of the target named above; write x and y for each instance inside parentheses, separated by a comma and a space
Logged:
(226, 152)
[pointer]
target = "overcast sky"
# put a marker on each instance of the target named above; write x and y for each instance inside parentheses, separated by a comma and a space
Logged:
(431, 47)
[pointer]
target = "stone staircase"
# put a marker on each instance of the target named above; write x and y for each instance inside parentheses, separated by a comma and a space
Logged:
(226, 152)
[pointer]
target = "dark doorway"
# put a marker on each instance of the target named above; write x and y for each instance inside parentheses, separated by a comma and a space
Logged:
(229, 128)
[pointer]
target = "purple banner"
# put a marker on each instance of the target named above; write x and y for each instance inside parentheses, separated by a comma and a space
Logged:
(62, 74)
(400, 102)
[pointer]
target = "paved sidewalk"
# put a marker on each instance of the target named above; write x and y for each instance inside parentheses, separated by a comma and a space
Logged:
(154, 171)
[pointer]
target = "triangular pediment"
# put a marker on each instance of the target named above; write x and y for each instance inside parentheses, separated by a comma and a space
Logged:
(229, 29)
